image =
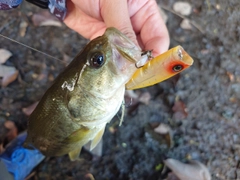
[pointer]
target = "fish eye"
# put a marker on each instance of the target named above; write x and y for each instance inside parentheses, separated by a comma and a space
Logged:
(177, 68)
(97, 60)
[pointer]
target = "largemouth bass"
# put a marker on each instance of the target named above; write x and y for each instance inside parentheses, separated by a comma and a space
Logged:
(84, 97)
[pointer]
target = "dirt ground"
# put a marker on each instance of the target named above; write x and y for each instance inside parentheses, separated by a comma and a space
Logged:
(210, 91)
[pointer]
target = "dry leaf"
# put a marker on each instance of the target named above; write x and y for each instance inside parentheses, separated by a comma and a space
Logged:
(185, 24)
(28, 110)
(89, 176)
(162, 129)
(145, 98)
(179, 110)
(183, 8)
(205, 51)
(8, 74)
(45, 18)
(13, 131)
(23, 28)
(231, 76)
(1, 148)
(67, 59)
(4, 55)
(192, 171)
(160, 132)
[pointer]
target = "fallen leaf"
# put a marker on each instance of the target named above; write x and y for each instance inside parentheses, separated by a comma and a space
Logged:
(185, 24)
(192, 171)
(145, 98)
(231, 76)
(1, 148)
(67, 59)
(45, 18)
(13, 131)
(179, 110)
(89, 176)
(162, 129)
(23, 28)
(183, 8)
(8, 74)
(4, 55)
(205, 51)
(28, 110)
(160, 132)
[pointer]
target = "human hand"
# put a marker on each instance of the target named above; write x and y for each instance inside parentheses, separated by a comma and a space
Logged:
(140, 20)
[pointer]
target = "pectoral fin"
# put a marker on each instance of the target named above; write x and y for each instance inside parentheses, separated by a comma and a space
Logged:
(97, 138)
(74, 155)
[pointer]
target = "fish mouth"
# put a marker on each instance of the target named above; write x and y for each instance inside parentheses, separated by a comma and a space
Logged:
(128, 49)
(126, 54)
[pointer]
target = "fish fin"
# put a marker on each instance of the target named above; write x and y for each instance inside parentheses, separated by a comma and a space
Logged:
(123, 113)
(97, 138)
(74, 155)
(78, 135)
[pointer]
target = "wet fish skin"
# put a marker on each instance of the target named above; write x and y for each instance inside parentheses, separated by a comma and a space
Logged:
(84, 97)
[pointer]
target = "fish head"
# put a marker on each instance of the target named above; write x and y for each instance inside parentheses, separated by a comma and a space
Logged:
(111, 61)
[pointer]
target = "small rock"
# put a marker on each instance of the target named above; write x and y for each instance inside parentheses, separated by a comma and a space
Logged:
(185, 24)
(8, 74)
(183, 8)
(4, 55)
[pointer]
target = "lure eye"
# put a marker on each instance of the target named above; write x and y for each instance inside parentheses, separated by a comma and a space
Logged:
(97, 60)
(177, 68)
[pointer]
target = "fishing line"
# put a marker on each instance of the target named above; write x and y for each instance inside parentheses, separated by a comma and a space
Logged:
(5, 37)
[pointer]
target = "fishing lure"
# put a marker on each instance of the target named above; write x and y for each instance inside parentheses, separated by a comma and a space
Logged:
(160, 68)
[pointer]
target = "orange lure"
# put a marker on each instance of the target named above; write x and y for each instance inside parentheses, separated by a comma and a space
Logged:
(160, 68)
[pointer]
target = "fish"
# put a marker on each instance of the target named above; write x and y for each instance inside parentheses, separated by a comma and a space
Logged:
(160, 68)
(84, 97)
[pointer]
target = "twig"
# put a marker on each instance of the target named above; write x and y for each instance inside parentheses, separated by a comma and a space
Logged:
(183, 17)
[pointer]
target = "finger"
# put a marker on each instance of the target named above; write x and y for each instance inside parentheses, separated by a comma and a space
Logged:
(83, 23)
(153, 34)
(115, 14)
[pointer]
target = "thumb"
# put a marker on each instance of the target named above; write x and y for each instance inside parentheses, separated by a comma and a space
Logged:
(115, 14)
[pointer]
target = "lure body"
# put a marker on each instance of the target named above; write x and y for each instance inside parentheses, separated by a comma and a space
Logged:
(84, 97)
(160, 68)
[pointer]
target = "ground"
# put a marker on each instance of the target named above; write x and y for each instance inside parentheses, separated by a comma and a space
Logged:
(209, 90)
